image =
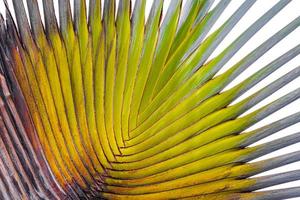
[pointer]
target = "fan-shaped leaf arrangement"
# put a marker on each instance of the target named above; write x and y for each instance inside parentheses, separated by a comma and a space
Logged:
(112, 107)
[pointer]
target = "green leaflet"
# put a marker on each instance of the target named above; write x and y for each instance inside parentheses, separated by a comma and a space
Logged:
(123, 39)
(166, 37)
(145, 65)
(134, 53)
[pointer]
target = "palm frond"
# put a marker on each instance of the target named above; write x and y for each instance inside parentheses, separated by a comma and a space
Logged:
(108, 103)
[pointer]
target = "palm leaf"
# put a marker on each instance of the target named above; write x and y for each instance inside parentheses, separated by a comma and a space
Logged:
(114, 106)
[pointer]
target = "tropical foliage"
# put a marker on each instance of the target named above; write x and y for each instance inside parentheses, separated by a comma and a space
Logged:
(109, 106)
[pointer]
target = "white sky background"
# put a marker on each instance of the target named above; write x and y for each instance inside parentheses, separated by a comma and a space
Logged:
(289, 13)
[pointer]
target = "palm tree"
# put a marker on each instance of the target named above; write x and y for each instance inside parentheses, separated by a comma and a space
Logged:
(110, 107)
